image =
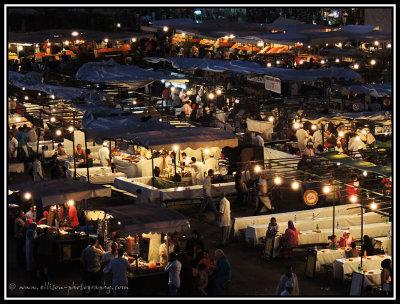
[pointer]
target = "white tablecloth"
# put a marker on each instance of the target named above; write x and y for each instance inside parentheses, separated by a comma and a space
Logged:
(70, 164)
(383, 243)
(372, 277)
(16, 167)
(328, 256)
(102, 179)
(194, 192)
(144, 183)
(243, 222)
(83, 172)
(344, 266)
(132, 169)
(258, 231)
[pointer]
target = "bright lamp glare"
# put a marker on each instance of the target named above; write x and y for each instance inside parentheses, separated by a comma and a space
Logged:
(70, 203)
(341, 134)
(314, 127)
(374, 206)
(296, 125)
(326, 189)
(52, 119)
(27, 195)
(295, 185)
(58, 132)
(365, 173)
(271, 118)
(206, 151)
(175, 148)
(219, 92)
(277, 180)
(71, 128)
(353, 198)
(165, 28)
(257, 169)
(211, 95)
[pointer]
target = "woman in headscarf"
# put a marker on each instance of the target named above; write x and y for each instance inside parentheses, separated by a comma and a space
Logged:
(290, 238)
(31, 236)
(386, 277)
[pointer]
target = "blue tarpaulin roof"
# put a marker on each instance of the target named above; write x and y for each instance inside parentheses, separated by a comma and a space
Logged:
(374, 90)
(247, 67)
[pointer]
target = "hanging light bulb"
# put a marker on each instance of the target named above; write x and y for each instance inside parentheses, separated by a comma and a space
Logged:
(165, 28)
(52, 119)
(271, 118)
(269, 64)
(356, 66)
(106, 40)
(27, 196)
(71, 128)
(373, 206)
(365, 173)
(341, 134)
(353, 198)
(337, 60)
(278, 180)
(58, 132)
(296, 125)
(219, 92)
(211, 96)
(206, 151)
(133, 39)
(257, 169)
(295, 185)
(314, 127)
(373, 62)
(326, 189)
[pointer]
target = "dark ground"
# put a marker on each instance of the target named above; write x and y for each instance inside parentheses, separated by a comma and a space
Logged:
(252, 276)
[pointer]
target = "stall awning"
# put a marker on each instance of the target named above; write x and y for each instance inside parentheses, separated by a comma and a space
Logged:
(60, 191)
(148, 219)
(194, 138)
(374, 90)
(247, 67)
(372, 116)
(357, 164)
(111, 71)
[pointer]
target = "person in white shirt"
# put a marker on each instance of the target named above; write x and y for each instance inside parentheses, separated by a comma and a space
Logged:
(302, 136)
(38, 173)
(31, 214)
(309, 150)
(174, 270)
(32, 136)
(211, 163)
(207, 196)
(317, 138)
(258, 140)
(165, 248)
(166, 162)
(12, 146)
(185, 160)
(105, 262)
(355, 143)
(186, 108)
(263, 199)
(198, 171)
(288, 276)
(224, 219)
(288, 289)
(104, 155)
(119, 267)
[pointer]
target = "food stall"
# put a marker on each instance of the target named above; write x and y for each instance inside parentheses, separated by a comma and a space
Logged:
(50, 195)
(141, 229)
(199, 143)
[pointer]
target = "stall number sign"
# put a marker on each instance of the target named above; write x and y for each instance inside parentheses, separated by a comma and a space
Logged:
(310, 197)
(272, 84)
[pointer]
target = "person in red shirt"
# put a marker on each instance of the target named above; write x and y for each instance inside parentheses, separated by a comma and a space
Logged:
(72, 216)
(352, 189)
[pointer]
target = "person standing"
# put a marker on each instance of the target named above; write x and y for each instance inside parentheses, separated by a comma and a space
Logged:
(222, 272)
(45, 252)
(119, 267)
(207, 196)
(258, 140)
(90, 260)
(288, 289)
(174, 269)
(30, 249)
(301, 136)
(38, 173)
(224, 219)
(165, 248)
(19, 235)
(263, 199)
(288, 276)
(12, 146)
(193, 244)
(197, 171)
(22, 144)
(317, 138)
(211, 163)
(104, 155)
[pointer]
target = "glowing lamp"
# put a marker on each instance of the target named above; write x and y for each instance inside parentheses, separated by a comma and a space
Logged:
(52, 119)
(165, 28)
(257, 169)
(271, 118)
(277, 180)
(211, 96)
(71, 129)
(295, 185)
(326, 189)
(296, 125)
(27, 195)
(58, 132)
(175, 148)
(373, 206)
(353, 198)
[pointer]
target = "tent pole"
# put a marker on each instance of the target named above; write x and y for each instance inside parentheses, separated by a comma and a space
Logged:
(87, 165)
(73, 144)
(152, 165)
(37, 146)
